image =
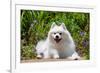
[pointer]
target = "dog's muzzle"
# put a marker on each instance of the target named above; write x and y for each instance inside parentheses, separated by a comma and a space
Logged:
(57, 39)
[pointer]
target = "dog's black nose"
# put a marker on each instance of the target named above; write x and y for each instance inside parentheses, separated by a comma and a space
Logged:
(57, 36)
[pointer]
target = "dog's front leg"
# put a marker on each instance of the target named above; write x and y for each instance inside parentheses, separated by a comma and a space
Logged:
(55, 54)
(46, 55)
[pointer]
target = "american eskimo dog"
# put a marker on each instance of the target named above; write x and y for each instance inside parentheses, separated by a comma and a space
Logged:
(58, 44)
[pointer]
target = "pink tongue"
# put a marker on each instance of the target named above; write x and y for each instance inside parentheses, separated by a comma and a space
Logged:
(57, 40)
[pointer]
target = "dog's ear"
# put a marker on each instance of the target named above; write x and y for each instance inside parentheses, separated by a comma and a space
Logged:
(53, 24)
(63, 25)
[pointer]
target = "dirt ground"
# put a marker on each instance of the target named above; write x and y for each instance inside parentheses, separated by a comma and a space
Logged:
(46, 60)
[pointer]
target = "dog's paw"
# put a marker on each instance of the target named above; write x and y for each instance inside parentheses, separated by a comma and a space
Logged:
(56, 56)
(39, 57)
(74, 58)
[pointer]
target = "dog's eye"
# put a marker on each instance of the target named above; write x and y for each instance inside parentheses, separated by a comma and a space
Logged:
(54, 33)
(60, 33)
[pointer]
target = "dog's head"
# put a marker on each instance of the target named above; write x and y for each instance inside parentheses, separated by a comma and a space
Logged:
(58, 33)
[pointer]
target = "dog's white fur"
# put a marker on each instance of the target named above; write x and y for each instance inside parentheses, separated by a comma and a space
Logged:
(65, 48)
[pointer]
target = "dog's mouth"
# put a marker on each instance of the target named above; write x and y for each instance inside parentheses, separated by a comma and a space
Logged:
(57, 40)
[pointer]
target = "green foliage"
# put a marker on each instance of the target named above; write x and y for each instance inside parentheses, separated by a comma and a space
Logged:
(36, 24)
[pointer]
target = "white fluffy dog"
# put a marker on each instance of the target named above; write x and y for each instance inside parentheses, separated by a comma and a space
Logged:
(59, 44)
